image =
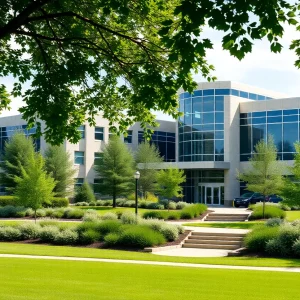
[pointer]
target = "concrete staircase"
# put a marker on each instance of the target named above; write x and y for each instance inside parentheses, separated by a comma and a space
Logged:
(213, 217)
(207, 240)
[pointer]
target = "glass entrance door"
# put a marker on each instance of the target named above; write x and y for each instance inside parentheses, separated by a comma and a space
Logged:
(211, 194)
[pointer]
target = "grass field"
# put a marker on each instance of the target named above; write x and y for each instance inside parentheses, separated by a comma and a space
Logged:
(48, 280)
(293, 215)
(233, 225)
(27, 249)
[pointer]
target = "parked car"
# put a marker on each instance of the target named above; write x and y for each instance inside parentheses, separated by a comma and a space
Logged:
(247, 199)
(273, 198)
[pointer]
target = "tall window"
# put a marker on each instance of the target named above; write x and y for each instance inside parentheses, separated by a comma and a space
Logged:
(128, 138)
(78, 182)
(98, 156)
(81, 130)
(99, 133)
(79, 158)
(111, 134)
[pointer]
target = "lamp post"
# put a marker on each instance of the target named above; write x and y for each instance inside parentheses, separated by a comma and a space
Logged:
(137, 177)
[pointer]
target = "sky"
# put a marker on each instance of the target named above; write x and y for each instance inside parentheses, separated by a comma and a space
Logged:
(260, 68)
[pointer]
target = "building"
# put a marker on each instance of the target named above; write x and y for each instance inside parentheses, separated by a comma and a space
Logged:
(221, 123)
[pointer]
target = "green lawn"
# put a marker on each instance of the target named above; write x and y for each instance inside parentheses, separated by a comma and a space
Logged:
(293, 215)
(48, 280)
(233, 225)
(19, 248)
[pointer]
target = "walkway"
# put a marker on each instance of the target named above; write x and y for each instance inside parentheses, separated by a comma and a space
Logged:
(155, 263)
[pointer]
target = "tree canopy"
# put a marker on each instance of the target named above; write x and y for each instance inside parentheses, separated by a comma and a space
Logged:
(121, 57)
(148, 157)
(115, 169)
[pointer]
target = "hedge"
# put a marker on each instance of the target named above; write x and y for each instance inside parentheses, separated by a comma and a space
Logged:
(55, 201)
(271, 211)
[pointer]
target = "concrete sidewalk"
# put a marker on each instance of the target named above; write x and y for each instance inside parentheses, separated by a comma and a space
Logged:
(155, 263)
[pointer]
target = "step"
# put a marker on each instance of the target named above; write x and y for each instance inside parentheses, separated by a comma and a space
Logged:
(213, 242)
(217, 234)
(229, 215)
(225, 218)
(211, 246)
(212, 237)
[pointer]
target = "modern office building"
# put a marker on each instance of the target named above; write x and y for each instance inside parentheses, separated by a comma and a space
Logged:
(221, 123)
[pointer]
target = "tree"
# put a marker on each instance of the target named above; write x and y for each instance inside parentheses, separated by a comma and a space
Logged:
(169, 183)
(84, 193)
(291, 187)
(264, 174)
(149, 157)
(17, 152)
(122, 57)
(34, 186)
(60, 167)
(116, 169)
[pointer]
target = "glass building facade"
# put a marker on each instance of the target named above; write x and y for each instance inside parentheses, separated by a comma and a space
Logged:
(8, 131)
(165, 143)
(282, 125)
(201, 126)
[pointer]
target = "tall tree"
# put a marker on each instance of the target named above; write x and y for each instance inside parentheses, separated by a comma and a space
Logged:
(291, 187)
(147, 158)
(59, 165)
(116, 169)
(265, 173)
(123, 57)
(84, 193)
(17, 152)
(34, 185)
(169, 183)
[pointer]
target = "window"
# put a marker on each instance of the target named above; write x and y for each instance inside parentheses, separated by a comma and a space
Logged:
(79, 158)
(97, 185)
(81, 130)
(78, 182)
(98, 156)
(99, 133)
(128, 138)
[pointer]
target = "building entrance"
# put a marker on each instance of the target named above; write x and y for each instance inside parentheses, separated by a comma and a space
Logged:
(211, 193)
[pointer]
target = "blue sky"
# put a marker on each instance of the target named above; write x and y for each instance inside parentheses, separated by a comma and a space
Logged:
(260, 68)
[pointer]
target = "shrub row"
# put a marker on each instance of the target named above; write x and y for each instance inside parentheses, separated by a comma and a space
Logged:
(10, 211)
(129, 232)
(141, 204)
(55, 201)
(271, 211)
(275, 238)
(190, 211)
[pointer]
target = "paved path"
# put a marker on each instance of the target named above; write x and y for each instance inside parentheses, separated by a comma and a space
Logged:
(193, 252)
(155, 263)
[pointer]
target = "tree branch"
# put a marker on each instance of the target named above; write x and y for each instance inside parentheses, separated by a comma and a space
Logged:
(21, 18)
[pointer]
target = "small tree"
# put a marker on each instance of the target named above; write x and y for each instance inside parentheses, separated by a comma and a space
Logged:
(34, 186)
(116, 169)
(265, 173)
(169, 183)
(148, 157)
(17, 152)
(60, 167)
(291, 187)
(84, 193)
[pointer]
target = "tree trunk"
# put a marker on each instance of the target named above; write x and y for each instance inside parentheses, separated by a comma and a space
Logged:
(114, 200)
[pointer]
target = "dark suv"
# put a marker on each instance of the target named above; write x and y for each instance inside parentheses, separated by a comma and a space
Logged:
(273, 198)
(247, 199)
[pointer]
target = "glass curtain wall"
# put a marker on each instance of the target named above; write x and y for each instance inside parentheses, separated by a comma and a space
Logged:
(283, 125)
